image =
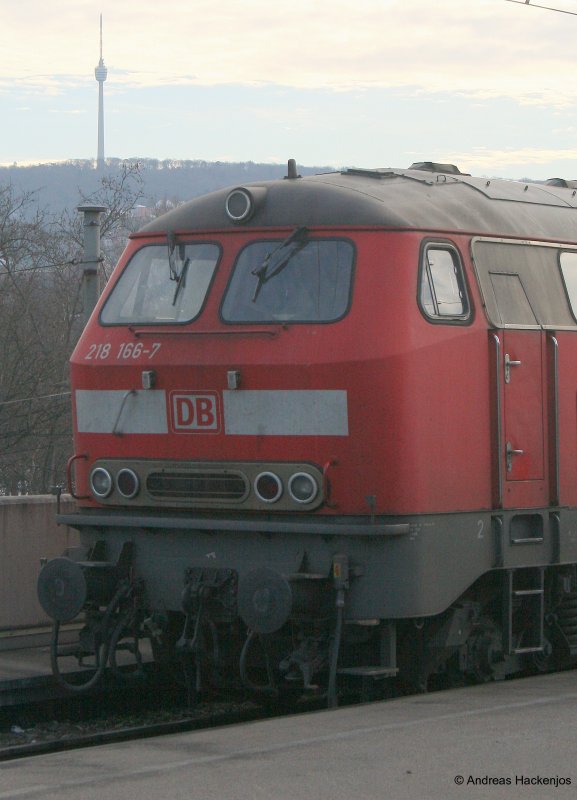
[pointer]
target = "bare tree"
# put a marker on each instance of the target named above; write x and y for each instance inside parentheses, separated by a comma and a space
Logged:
(40, 313)
(119, 193)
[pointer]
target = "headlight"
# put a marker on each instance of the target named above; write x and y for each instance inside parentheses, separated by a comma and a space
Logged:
(127, 483)
(268, 487)
(241, 204)
(101, 482)
(302, 487)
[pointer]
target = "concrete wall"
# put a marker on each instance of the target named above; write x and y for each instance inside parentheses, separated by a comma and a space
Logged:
(28, 532)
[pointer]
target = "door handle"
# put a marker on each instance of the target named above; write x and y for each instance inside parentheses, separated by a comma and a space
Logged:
(510, 451)
(509, 362)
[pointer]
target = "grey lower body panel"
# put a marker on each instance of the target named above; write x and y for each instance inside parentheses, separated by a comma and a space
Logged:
(400, 567)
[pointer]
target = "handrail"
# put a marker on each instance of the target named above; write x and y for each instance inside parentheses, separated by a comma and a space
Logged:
(71, 491)
(497, 342)
(127, 394)
(172, 332)
(556, 497)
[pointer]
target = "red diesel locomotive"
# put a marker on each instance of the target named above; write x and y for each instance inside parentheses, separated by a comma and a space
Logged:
(326, 433)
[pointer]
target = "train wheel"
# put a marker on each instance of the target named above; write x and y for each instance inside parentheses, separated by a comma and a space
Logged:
(545, 661)
(485, 647)
(260, 675)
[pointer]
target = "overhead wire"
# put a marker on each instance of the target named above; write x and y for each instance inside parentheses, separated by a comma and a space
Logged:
(30, 399)
(538, 5)
(74, 262)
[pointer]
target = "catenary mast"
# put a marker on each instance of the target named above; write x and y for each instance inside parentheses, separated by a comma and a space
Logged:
(101, 74)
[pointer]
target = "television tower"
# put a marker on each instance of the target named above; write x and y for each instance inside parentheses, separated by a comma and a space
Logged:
(100, 74)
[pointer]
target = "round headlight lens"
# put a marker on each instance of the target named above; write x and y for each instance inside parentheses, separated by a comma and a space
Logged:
(239, 205)
(127, 483)
(101, 482)
(302, 487)
(268, 487)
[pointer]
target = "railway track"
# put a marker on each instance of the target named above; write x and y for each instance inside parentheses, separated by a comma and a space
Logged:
(37, 716)
(46, 720)
(52, 736)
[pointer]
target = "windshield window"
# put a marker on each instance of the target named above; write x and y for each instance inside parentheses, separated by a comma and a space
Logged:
(153, 291)
(300, 280)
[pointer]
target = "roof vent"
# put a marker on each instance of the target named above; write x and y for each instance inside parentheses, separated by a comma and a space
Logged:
(432, 166)
(561, 182)
(292, 172)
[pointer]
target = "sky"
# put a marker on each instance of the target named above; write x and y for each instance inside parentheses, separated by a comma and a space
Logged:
(489, 85)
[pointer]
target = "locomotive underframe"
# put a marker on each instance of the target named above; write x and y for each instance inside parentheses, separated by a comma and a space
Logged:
(481, 595)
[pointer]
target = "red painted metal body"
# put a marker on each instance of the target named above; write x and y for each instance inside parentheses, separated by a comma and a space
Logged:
(418, 396)
(411, 453)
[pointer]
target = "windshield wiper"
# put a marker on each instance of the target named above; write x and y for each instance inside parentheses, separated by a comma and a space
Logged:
(180, 280)
(173, 273)
(171, 241)
(299, 237)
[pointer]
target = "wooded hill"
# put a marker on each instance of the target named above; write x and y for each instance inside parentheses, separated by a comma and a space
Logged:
(60, 186)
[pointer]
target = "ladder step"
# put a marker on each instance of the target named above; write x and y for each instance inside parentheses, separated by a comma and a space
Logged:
(525, 592)
(369, 672)
(522, 650)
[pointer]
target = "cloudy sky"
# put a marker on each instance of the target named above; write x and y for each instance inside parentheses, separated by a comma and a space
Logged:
(490, 85)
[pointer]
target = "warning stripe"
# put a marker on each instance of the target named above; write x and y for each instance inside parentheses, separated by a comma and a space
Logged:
(246, 412)
(286, 413)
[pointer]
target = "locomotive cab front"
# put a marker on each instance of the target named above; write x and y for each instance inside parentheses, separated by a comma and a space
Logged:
(288, 453)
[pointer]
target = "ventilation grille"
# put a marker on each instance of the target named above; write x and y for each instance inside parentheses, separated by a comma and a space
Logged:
(205, 486)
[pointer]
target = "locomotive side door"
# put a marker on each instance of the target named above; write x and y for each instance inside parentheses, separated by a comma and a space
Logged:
(523, 463)
(525, 298)
(521, 392)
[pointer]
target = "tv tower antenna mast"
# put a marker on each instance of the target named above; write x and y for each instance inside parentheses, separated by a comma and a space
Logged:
(100, 73)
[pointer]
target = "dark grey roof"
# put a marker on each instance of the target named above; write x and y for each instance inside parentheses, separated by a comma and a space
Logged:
(394, 198)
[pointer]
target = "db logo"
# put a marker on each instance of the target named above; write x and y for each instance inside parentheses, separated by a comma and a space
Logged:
(195, 413)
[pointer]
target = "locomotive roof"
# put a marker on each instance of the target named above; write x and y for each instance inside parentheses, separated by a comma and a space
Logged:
(394, 198)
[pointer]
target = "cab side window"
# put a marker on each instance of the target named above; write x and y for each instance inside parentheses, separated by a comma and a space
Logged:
(442, 287)
(569, 270)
